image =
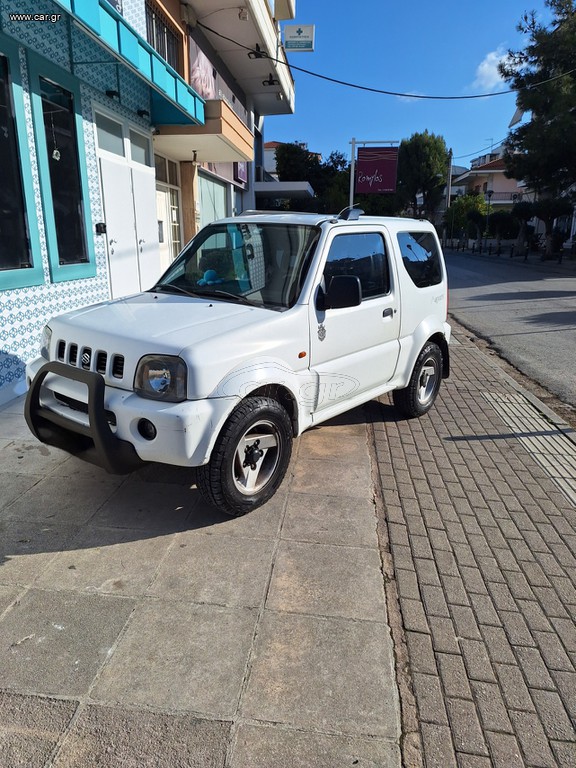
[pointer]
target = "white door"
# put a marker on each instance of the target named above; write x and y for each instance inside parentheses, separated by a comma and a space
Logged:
(116, 180)
(355, 349)
(144, 194)
(129, 200)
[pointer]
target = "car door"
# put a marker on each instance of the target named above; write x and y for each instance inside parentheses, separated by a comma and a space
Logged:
(355, 350)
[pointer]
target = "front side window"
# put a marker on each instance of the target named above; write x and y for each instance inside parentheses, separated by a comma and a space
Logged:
(260, 264)
(14, 241)
(64, 172)
(362, 255)
(421, 257)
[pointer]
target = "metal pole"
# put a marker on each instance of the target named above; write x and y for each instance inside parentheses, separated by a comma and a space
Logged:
(352, 172)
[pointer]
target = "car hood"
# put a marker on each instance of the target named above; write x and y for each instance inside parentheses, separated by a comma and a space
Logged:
(158, 322)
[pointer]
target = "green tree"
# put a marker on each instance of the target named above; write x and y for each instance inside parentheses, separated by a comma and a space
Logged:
(502, 224)
(422, 170)
(548, 210)
(462, 214)
(542, 151)
(295, 163)
(522, 212)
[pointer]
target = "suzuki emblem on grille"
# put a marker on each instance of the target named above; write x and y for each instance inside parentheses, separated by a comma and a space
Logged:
(85, 358)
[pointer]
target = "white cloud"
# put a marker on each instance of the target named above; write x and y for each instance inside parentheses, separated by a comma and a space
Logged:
(487, 76)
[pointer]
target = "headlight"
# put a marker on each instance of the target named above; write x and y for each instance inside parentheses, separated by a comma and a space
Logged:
(161, 377)
(45, 342)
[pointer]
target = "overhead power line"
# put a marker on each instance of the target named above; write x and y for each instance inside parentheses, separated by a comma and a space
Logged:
(261, 54)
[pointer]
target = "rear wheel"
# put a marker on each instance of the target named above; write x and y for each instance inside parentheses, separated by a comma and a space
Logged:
(418, 397)
(250, 457)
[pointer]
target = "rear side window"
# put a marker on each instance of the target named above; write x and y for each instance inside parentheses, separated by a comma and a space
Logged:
(362, 255)
(421, 257)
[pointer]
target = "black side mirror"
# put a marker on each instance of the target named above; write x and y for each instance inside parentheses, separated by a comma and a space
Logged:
(343, 291)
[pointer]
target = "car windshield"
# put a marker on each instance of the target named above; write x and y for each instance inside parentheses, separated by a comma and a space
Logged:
(262, 264)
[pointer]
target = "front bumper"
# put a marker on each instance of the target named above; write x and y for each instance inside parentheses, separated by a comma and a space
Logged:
(73, 409)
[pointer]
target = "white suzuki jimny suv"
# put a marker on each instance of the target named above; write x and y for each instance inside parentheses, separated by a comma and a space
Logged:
(265, 325)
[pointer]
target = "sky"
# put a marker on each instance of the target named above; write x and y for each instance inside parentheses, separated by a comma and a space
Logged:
(442, 48)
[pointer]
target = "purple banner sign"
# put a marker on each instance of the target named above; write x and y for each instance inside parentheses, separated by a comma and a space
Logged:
(376, 170)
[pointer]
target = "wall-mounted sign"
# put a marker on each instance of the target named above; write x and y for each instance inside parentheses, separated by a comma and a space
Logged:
(299, 37)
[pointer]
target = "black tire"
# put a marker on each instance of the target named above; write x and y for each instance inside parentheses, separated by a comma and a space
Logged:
(258, 430)
(418, 397)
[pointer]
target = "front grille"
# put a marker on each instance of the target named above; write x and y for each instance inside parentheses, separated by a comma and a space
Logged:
(101, 361)
(118, 366)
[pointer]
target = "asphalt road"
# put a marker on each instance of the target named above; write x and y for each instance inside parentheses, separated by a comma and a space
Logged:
(527, 312)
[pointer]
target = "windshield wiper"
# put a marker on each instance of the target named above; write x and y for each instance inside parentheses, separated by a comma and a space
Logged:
(227, 295)
(169, 286)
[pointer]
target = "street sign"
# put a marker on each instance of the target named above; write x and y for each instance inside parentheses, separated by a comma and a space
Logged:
(299, 37)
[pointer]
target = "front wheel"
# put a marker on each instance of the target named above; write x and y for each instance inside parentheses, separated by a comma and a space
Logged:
(418, 397)
(250, 457)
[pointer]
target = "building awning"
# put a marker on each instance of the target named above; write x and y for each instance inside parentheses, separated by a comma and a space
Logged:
(172, 99)
(223, 138)
(283, 189)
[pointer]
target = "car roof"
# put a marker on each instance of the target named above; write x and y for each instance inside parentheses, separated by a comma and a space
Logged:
(315, 219)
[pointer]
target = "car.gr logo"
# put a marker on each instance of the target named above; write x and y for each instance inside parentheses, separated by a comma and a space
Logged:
(311, 390)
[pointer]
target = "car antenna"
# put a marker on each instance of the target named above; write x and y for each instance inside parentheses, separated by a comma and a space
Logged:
(350, 213)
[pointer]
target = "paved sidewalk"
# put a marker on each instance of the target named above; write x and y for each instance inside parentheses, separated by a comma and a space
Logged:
(480, 503)
(138, 627)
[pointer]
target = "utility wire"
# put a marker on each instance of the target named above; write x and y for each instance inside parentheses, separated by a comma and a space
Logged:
(263, 55)
(478, 152)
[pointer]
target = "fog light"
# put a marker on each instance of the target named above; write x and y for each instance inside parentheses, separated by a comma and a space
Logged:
(146, 429)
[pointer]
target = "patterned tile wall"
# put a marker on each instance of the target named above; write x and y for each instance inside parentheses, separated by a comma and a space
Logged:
(24, 312)
(134, 12)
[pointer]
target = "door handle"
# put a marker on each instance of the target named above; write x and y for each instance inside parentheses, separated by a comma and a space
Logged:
(388, 312)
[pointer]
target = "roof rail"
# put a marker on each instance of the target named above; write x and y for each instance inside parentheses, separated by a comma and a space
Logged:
(272, 211)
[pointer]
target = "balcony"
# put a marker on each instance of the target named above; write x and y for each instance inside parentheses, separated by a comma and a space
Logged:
(223, 137)
(265, 78)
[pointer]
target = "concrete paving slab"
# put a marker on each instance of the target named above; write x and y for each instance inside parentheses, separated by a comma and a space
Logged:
(14, 427)
(276, 747)
(30, 728)
(261, 523)
(27, 548)
(328, 580)
(182, 657)
(12, 486)
(334, 443)
(114, 561)
(115, 738)
(223, 570)
(55, 642)
(26, 456)
(335, 520)
(7, 596)
(148, 506)
(76, 502)
(332, 478)
(324, 674)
